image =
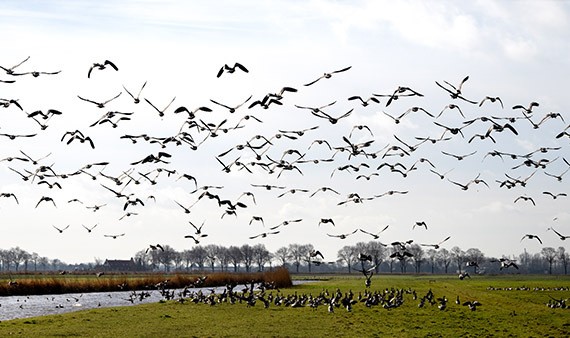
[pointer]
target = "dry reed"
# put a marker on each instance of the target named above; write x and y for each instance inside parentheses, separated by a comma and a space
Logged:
(55, 284)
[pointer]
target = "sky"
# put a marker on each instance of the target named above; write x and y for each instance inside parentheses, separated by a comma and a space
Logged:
(514, 50)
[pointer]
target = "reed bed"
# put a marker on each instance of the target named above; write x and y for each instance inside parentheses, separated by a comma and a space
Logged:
(21, 285)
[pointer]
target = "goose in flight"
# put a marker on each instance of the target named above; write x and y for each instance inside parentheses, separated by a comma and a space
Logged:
(526, 110)
(456, 92)
(154, 248)
(326, 221)
(258, 219)
(530, 236)
(232, 109)
(459, 157)
(292, 191)
(128, 214)
(420, 224)
(6, 103)
(451, 106)
(332, 120)
(9, 194)
(343, 236)
(323, 189)
(363, 101)
(89, 229)
(36, 73)
(398, 93)
(135, 98)
(160, 112)
(562, 237)
(198, 229)
(186, 210)
(525, 198)
(34, 161)
(196, 240)
(285, 223)
(554, 196)
(376, 235)
(60, 229)
(10, 70)
(492, 100)
(96, 207)
(46, 199)
(229, 69)
(436, 246)
(114, 236)
(100, 104)
(264, 234)
(101, 66)
(328, 75)
(314, 253)
(78, 135)
(401, 255)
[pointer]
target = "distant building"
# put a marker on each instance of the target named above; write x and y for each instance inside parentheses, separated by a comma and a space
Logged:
(120, 265)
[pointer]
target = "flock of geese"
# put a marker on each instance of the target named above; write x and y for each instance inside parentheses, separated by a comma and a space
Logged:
(268, 155)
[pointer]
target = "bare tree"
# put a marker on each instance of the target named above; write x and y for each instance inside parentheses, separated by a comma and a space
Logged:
(224, 257)
(34, 258)
(187, 258)
(432, 258)
(347, 255)
(475, 255)
(298, 254)
(563, 258)
(166, 256)
(18, 256)
(261, 255)
(142, 259)
(418, 257)
(248, 254)
(178, 258)
(283, 255)
(459, 256)
(199, 256)
(211, 255)
(378, 253)
(44, 262)
(307, 249)
(549, 254)
(236, 256)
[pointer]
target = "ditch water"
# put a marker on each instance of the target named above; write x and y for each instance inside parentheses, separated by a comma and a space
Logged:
(14, 307)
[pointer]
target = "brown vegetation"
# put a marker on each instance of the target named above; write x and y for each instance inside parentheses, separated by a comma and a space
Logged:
(58, 284)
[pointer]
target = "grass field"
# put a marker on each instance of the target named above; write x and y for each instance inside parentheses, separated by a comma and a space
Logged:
(512, 305)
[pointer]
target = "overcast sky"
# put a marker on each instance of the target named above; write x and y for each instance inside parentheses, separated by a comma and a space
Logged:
(515, 50)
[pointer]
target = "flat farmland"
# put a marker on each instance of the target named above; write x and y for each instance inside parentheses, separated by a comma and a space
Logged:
(398, 305)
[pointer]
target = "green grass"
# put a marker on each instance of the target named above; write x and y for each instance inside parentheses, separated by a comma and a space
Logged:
(503, 313)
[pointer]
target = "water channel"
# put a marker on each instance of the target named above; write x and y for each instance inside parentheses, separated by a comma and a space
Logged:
(13, 307)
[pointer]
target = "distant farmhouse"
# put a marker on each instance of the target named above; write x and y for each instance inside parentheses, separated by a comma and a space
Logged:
(120, 265)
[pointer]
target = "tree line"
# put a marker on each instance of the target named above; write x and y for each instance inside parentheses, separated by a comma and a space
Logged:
(303, 258)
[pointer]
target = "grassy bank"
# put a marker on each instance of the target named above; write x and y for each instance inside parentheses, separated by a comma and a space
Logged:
(511, 306)
(20, 285)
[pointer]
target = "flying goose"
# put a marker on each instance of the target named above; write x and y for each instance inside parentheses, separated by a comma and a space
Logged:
(101, 66)
(135, 98)
(328, 75)
(231, 69)
(60, 229)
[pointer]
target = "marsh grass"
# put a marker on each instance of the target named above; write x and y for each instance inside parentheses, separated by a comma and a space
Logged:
(58, 284)
(515, 307)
